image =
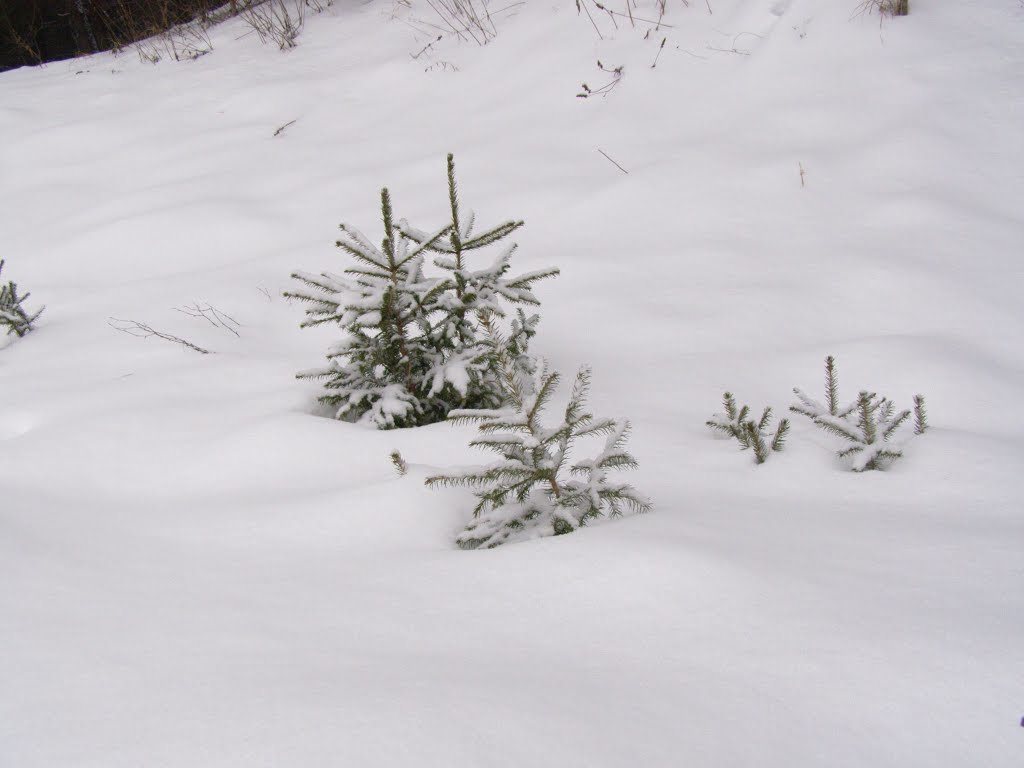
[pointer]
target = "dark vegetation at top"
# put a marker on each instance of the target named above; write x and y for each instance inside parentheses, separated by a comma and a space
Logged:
(38, 31)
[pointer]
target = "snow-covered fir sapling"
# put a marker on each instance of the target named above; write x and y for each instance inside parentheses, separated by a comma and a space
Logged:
(748, 433)
(534, 490)
(868, 423)
(415, 346)
(382, 372)
(13, 315)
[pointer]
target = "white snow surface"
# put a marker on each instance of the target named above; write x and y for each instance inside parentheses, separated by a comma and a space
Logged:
(197, 569)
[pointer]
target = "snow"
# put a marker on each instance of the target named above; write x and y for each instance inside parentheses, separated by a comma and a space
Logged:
(198, 569)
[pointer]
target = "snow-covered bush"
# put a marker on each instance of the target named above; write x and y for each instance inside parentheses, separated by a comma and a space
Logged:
(867, 424)
(534, 491)
(13, 316)
(734, 422)
(416, 346)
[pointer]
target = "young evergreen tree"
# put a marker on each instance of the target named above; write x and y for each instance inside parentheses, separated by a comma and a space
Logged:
(867, 424)
(747, 432)
(13, 316)
(389, 371)
(416, 347)
(534, 490)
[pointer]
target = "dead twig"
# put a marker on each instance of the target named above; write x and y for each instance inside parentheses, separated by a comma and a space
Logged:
(212, 315)
(582, 5)
(426, 47)
(144, 331)
(654, 23)
(464, 18)
(612, 161)
(280, 130)
(605, 89)
(658, 55)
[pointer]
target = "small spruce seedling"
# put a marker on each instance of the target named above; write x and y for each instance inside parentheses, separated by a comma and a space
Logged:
(747, 432)
(13, 315)
(534, 490)
(868, 423)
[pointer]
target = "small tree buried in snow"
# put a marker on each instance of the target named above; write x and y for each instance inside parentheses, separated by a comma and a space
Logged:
(749, 433)
(416, 346)
(13, 315)
(868, 423)
(533, 491)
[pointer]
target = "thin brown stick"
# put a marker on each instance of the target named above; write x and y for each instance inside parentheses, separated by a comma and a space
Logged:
(660, 49)
(212, 315)
(144, 331)
(612, 161)
(281, 129)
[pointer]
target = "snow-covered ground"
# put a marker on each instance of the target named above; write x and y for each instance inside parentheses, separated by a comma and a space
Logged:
(197, 570)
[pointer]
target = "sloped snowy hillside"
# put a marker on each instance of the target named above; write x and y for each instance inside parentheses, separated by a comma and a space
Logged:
(197, 569)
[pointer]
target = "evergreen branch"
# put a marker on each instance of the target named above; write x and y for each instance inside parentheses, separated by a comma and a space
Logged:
(580, 390)
(729, 403)
(779, 441)
(920, 416)
(756, 441)
(741, 418)
(428, 242)
(890, 428)
(866, 408)
(369, 274)
(548, 383)
(831, 385)
(453, 201)
(596, 428)
(838, 427)
(807, 406)
(324, 282)
(886, 407)
(320, 320)
(492, 236)
(527, 280)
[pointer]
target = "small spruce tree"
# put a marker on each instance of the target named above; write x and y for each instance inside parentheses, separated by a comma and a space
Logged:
(383, 373)
(748, 433)
(416, 346)
(533, 490)
(867, 424)
(13, 315)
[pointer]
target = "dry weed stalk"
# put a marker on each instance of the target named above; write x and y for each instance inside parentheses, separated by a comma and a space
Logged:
(884, 7)
(144, 331)
(212, 315)
(604, 90)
